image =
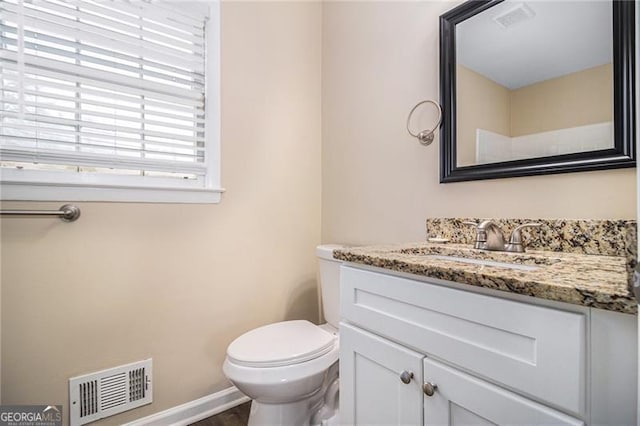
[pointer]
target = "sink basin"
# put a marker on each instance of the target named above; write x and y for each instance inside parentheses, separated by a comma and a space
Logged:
(483, 262)
(515, 261)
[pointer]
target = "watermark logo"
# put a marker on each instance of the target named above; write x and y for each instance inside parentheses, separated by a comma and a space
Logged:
(30, 415)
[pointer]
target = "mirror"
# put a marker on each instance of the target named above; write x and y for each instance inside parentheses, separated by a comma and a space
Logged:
(536, 87)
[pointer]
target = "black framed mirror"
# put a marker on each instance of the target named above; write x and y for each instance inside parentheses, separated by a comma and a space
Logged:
(530, 88)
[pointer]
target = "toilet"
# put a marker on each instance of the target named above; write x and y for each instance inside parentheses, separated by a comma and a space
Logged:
(290, 369)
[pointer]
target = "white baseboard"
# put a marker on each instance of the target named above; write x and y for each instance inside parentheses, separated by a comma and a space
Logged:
(191, 412)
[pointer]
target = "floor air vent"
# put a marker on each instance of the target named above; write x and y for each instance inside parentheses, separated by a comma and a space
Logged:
(105, 393)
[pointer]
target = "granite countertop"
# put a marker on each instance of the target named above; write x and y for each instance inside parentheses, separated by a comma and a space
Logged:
(588, 280)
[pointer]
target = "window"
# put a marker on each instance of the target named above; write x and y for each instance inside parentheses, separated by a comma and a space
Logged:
(109, 100)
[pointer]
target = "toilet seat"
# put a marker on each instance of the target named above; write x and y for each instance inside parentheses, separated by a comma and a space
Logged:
(281, 344)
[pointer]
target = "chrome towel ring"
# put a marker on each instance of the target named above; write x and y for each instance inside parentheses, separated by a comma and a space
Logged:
(425, 137)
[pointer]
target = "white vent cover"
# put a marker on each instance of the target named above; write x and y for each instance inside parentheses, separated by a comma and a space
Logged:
(105, 393)
(516, 15)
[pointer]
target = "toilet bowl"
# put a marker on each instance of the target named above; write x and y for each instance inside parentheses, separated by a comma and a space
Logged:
(290, 369)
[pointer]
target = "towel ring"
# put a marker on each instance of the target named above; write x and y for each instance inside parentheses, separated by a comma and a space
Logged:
(425, 137)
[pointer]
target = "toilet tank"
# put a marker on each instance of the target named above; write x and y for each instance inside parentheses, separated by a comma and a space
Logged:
(330, 282)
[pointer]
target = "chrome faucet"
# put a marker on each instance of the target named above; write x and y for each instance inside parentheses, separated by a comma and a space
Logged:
(489, 236)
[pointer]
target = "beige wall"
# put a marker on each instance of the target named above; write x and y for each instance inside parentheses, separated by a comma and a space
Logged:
(378, 183)
(481, 104)
(178, 282)
(577, 99)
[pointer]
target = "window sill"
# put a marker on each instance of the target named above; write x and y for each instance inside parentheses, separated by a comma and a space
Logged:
(56, 187)
(107, 193)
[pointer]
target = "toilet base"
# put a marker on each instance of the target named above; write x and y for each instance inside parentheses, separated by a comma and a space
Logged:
(293, 413)
(318, 409)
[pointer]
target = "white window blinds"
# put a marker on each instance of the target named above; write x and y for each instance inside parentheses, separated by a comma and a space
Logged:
(97, 86)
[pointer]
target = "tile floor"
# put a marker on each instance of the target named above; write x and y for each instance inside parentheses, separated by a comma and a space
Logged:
(237, 416)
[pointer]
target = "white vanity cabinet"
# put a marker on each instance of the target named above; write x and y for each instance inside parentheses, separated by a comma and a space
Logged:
(462, 399)
(493, 360)
(373, 390)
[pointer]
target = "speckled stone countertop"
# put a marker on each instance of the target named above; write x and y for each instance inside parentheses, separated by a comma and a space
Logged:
(588, 280)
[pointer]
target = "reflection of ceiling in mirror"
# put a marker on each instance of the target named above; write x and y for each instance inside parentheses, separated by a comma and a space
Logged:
(546, 39)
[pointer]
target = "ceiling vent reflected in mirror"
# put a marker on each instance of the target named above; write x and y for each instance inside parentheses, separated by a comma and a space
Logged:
(514, 16)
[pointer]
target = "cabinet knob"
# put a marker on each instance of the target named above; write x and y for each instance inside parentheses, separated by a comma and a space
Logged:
(429, 388)
(406, 377)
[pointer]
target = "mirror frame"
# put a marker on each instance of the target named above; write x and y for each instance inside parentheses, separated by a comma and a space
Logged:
(623, 154)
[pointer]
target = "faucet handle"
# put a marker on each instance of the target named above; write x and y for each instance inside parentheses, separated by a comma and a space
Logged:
(516, 235)
(515, 241)
(481, 234)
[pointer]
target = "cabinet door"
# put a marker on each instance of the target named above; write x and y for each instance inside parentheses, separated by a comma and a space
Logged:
(461, 399)
(371, 389)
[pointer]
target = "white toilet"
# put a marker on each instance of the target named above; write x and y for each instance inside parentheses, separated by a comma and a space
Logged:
(290, 368)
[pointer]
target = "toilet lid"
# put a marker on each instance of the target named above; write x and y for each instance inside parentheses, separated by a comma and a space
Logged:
(280, 344)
